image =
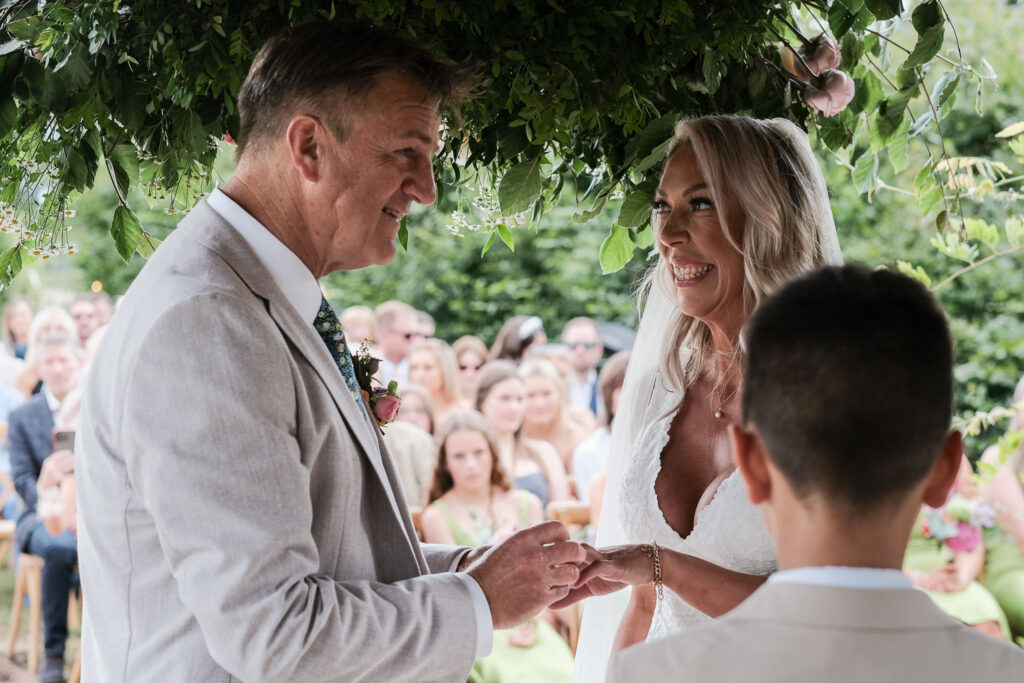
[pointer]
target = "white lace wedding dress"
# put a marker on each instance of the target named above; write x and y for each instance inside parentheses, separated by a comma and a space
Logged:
(729, 530)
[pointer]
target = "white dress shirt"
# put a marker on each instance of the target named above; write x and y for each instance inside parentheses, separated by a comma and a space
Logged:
(302, 290)
(869, 578)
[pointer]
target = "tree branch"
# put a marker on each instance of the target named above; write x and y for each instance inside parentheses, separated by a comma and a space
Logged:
(978, 264)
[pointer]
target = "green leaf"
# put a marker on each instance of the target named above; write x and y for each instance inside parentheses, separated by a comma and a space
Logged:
(927, 47)
(8, 116)
(643, 238)
(403, 234)
(898, 148)
(490, 243)
(926, 16)
(616, 250)
(1011, 130)
(506, 236)
(75, 69)
(125, 161)
(945, 87)
(10, 264)
(916, 272)
(865, 173)
(1014, 231)
(928, 199)
(26, 29)
(656, 156)
(983, 231)
(10, 46)
(636, 207)
(840, 19)
(884, 9)
(520, 187)
(126, 231)
(73, 170)
(148, 245)
(712, 70)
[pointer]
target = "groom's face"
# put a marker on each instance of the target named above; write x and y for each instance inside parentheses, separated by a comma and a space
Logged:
(374, 175)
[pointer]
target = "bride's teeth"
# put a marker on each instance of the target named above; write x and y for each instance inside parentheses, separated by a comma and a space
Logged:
(690, 272)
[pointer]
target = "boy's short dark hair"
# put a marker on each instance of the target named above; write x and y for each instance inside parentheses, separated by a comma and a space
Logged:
(849, 380)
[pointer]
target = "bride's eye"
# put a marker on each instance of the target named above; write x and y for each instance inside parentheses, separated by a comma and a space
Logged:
(700, 203)
(659, 206)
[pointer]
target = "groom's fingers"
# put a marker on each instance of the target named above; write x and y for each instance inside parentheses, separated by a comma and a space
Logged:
(545, 533)
(563, 575)
(564, 553)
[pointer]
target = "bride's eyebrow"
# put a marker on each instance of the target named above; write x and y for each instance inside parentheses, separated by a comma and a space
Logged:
(694, 188)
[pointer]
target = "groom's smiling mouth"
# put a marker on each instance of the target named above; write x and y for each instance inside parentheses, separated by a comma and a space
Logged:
(394, 213)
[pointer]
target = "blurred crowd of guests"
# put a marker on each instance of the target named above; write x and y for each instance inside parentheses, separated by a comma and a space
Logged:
(46, 355)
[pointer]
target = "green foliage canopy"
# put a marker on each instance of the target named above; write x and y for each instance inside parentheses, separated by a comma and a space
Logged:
(570, 91)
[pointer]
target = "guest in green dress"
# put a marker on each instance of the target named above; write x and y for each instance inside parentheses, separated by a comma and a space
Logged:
(471, 504)
(946, 554)
(1004, 571)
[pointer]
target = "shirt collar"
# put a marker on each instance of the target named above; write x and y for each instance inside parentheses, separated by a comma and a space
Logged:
(51, 401)
(844, 577)
(290, 274)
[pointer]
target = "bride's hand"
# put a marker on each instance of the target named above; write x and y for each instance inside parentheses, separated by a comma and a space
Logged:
(609, 570)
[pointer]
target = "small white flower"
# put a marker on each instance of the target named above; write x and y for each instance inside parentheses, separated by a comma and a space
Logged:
(70, 213)
(169, 211)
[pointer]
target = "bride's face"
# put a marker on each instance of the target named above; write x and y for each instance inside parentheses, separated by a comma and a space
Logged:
(707, 271)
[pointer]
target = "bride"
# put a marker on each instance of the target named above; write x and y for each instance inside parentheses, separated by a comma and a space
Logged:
(741, 208)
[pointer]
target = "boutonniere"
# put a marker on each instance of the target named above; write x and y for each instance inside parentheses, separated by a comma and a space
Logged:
(383, 402)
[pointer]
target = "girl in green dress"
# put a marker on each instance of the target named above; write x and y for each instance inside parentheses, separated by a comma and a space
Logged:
(1004, 570)
(471, 504)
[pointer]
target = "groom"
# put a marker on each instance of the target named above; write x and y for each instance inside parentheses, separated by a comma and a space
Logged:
(240, 516)
(847, 398)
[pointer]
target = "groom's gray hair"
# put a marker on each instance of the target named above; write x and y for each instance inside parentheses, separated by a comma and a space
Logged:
(326, 66)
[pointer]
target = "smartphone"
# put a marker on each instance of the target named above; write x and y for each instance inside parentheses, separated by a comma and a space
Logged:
(63, 439)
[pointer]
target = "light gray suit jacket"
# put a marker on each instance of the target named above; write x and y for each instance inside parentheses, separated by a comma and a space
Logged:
(233, 516)
(798, 633)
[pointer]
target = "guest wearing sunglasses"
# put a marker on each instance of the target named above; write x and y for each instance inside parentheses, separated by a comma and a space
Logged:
(582, 340)
(396, 325)
(470, 354)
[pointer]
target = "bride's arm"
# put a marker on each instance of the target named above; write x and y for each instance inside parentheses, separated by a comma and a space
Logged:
(636, 621)
(712, 589)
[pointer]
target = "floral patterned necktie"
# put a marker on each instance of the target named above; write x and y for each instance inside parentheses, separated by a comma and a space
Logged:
(329, 328)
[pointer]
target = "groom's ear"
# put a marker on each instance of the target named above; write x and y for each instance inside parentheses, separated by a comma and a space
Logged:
(305, 139)
(748, 451)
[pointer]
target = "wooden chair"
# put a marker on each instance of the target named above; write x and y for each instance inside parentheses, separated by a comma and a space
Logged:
(28, 580)
(6, 525)
(574, 515)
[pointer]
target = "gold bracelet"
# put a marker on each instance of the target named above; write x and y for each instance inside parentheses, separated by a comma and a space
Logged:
(652, 551)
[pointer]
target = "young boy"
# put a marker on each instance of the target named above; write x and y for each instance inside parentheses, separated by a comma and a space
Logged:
(847, 400)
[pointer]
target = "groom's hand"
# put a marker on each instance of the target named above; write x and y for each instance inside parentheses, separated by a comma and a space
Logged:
(527, 572)
(608, 570)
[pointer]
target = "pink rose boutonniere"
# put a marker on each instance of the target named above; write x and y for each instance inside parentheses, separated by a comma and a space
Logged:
(383, 401)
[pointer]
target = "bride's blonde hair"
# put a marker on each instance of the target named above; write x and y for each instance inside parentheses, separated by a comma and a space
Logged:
(770, 169)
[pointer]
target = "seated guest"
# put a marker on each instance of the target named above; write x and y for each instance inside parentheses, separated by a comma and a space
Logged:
(417, 407)
(533, 465)
(412, 452)
(35, 467)
(847, 401)
(591, 456)
(470, 355)
(472, 503)
(946, 555)
(517, 337)
(359, 324)
(582, 341)
(1004, 548)
(396, 332)
(48, 321)
(548, 410)
(432, 366)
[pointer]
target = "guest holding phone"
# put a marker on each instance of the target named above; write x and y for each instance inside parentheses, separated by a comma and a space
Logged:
(37, 465)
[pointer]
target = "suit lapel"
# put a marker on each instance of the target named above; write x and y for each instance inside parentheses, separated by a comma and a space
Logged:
(219, 236)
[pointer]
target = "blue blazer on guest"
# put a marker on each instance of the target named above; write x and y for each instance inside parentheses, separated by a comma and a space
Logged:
(30, 435)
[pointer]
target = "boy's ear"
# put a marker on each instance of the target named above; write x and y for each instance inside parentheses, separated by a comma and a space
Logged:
(748, 451)
(943, 474)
